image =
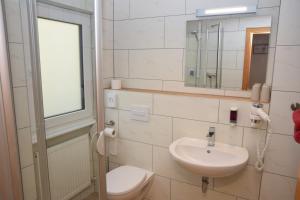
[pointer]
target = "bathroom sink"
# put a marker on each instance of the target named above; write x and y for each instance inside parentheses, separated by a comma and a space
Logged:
(212, 161)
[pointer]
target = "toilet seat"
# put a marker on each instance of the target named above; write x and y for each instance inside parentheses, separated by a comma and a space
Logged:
(125, 180)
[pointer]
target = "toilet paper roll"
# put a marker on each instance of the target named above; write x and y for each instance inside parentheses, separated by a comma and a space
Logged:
(110, 132)
(112, 141)
(116, 84)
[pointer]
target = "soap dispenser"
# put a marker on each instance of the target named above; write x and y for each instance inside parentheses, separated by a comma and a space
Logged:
(233, 115)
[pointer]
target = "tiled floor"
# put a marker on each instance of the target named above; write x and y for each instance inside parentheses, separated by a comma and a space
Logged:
(93, 196)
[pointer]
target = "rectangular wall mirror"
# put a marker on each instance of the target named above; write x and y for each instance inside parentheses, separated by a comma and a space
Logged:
(227, 53)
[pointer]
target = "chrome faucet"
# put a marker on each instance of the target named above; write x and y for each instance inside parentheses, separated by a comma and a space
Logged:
(211, 137)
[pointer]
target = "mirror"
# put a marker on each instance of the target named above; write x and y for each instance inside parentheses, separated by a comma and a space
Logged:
(227, 53)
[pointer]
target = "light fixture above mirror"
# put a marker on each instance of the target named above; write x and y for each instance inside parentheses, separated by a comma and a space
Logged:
(225, 11)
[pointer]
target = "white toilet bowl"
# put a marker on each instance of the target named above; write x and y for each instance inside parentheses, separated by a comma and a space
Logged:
(128, 183)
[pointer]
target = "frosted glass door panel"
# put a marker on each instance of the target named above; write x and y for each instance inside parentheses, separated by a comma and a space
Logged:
(61, 67)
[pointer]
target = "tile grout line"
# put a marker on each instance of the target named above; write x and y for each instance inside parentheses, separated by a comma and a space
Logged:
(164, 32)
(148, 49)
(276, 45)
(128, 63)
(152, 157)
(113, 51)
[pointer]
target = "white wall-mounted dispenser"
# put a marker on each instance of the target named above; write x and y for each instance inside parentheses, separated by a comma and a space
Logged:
(233, 115)
(111, 99)
(257, 116)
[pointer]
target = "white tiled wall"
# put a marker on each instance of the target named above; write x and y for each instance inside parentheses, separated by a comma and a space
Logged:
(277, 187)
(139, 33)
(153, 34)
(287, 63)
(286, 91)
(121, 63)
(245, 184)
(150, 26)
(189, 107)
(108, 41)
(28, 181)
(164, 165)
(145, 144)
(134, 153)
(183, 191)
(17, 64)
(156, 64)
(19, 82)
(289, 28)
(107, 34)
(157, 131)
(146, 8)
(160, 189)
(280, 157)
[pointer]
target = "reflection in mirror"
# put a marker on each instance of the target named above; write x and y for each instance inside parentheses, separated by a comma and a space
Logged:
(228, 53)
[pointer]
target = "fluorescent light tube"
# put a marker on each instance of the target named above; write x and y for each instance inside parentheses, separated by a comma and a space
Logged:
(225, 11)
(218, 11)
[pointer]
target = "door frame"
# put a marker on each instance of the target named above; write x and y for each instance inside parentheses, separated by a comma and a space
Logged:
(37, 94)
(100, 93)
(248, 52)
(10, 169)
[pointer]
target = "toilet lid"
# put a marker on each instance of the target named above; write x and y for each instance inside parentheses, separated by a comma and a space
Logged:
(124, 179)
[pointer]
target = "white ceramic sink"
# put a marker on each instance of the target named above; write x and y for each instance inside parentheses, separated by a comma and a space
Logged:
(218, 161)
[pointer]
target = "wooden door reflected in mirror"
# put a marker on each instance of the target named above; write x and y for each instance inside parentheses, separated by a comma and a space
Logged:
(256, 56)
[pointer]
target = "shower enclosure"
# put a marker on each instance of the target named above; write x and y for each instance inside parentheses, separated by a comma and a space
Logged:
(204, 54)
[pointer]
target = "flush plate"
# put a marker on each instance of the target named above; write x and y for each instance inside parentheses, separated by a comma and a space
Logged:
(139, 113)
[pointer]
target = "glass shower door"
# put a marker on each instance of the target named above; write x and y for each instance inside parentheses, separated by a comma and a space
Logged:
(192, 57)
(212, 67)
(204, 54)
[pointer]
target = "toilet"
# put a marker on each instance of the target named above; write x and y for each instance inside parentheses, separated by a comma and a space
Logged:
(128, 183)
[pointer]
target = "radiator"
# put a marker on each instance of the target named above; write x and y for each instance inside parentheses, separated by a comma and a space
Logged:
(69, 168)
